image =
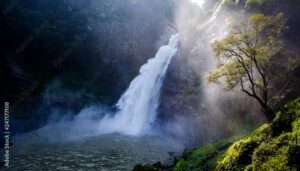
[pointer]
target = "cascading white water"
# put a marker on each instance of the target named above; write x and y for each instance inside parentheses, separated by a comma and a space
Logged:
(137, 108)
(213, 16)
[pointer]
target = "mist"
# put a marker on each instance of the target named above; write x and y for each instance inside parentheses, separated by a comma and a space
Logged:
(202, 118)
(208, 112)
(136, 109)
(122, 84)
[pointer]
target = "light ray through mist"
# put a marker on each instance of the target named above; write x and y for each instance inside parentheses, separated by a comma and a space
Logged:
(198, 2)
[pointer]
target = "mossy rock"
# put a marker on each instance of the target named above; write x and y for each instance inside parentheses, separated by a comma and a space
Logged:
(271, 156)
(205, 157)
(274, 146)
(238, 155)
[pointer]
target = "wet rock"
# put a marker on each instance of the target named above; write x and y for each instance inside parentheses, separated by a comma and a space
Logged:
(158, 165)
(143, 167)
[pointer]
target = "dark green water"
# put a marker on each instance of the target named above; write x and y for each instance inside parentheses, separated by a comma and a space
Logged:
(103, 153)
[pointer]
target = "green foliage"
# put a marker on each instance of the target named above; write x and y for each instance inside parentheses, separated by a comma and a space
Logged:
(273, 146)
(256, 3)
(238, 158)
(242, 53)
(204, 158)
(249, 58)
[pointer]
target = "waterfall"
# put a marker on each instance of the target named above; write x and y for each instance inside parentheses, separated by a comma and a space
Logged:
(137, 107)
(214, 15)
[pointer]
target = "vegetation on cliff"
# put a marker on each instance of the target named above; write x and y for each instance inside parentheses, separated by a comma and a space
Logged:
(256, 3)
(260, 69)
(206, 157)
(249, 58)
(273, 146)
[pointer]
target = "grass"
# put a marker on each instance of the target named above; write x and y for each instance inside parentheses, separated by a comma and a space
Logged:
(206, 157)
(274, 146)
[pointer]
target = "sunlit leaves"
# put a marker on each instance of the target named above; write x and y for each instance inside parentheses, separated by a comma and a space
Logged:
(259, 22)
(255, 3)
(247, 56)
(248, 49)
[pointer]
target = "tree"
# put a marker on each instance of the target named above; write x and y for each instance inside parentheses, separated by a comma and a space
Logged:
(252, 57)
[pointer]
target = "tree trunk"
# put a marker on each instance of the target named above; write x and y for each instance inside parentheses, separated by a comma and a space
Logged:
(269, 113)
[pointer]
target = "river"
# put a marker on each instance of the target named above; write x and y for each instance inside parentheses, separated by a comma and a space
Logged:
(102, 153)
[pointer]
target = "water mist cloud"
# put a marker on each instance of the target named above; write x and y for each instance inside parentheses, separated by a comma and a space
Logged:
(137, 107)
(207, 112)
(198, 2)
(203, 120)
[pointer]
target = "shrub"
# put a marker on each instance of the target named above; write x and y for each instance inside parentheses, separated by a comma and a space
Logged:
(274, 146)
(255, 3)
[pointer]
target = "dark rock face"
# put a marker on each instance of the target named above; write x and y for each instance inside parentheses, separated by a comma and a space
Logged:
(290, 9)
(74, 40)
(67, 54)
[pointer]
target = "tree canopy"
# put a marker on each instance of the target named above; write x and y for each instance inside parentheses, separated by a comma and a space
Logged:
(252, 57)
